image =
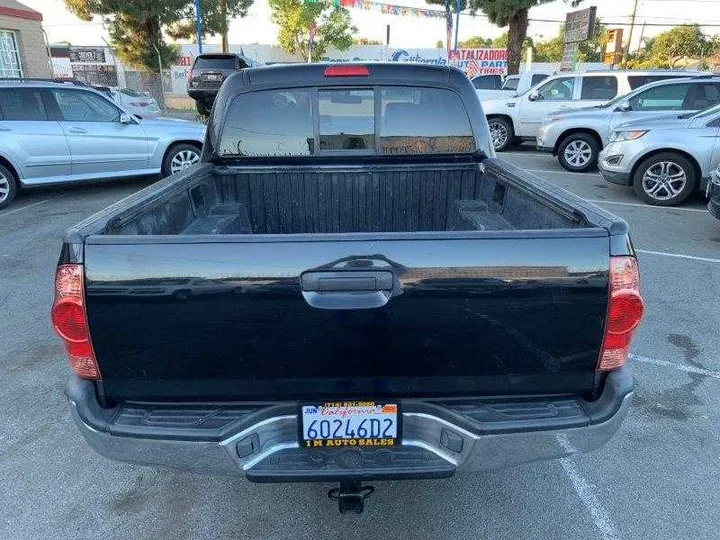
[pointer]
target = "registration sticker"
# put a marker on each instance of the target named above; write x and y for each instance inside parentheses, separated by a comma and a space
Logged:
(349, 423)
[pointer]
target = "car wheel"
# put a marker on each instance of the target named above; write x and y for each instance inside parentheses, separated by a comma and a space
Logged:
(202, 109)
(179, 158)
(502, 134)
(8, 187)
(578, 152)
(665, 179)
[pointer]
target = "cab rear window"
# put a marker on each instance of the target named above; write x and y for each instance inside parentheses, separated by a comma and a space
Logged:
(385, 120)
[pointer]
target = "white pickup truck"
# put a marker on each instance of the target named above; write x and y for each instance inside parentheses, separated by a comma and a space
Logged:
(513, 84)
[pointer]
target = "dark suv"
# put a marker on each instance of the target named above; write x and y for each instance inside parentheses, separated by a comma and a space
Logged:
(207, 75)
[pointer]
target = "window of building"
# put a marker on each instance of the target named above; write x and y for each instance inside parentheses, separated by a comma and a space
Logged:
(9, 55)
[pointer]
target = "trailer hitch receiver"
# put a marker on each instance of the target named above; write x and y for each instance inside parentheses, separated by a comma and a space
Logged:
(351, 496)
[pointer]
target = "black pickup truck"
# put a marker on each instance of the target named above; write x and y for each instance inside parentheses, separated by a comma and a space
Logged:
(350, 287)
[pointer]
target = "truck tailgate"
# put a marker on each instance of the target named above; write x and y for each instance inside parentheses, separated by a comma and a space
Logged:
(427, 314)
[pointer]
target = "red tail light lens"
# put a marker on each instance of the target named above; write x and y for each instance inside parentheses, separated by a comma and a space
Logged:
(69, 320)
(625, 310)
(347, 71)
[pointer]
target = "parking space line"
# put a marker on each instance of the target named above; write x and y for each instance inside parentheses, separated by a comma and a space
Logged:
(586, 175)
(526, 154)
(679, 367)
(678, 256)
(648, 206)
(14, 210)
(584, 490)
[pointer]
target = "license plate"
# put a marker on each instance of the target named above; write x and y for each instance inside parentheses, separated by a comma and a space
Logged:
(212, 77)
(349, 423)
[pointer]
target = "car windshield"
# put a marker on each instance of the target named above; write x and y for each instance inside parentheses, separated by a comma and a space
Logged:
(615, 100)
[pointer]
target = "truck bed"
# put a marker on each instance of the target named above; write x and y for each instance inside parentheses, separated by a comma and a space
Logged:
(345, 199)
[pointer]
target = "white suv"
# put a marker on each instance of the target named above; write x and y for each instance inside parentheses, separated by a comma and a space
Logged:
(517, 119)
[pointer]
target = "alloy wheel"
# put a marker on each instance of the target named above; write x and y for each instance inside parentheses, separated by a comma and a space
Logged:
(4, 187)
(498, 134)
(664, 180)
(184, 159)
(578, 153)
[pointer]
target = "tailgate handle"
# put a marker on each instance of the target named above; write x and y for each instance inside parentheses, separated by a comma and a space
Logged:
(347, 290)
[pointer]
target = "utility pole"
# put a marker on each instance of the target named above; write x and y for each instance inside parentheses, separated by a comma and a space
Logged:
(642, 33)
(457, 23)
(225, 47)
(198, 25)
(632, 26)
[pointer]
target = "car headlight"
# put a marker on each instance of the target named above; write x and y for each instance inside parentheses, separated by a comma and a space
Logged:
(627, 135)
(550, 119)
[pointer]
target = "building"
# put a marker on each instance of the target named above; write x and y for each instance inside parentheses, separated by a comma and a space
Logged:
(92, 65)
(23, 49)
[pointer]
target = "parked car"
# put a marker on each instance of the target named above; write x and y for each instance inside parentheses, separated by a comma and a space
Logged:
(409, 306)
(517, 119)
(514, 85)
(577, 136)
(137, 103)
(487, 82)
(665, 159)
(713, 192)
(54, 133)
(207, 75)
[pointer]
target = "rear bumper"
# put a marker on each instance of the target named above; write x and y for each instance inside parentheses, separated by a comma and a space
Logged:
(439, 439)
(206, 95)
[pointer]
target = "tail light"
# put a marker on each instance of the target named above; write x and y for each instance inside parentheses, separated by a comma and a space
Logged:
(625, 310)
(70, 322)
(189, 78)
(347, 71)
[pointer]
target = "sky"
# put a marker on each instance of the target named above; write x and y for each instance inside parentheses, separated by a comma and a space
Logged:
(413, 32)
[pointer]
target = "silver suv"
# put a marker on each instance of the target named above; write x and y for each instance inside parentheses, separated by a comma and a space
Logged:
(577, 136)
(53, 133)
(664, 159)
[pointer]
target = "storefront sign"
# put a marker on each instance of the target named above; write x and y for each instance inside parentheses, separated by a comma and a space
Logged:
(483, 61)
(579, 25)
(87, 55)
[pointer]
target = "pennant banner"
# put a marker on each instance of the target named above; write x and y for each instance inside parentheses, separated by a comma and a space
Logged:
(392, 9)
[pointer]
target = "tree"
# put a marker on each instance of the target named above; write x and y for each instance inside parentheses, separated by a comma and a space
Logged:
(475, 42)
(215, 15)
(550, 50)
(668, 49)
(136, 26)
(591, 50)
(514, 15)
(294, 17)
(501, 42)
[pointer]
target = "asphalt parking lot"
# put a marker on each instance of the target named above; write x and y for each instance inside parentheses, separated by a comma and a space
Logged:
(658, 478)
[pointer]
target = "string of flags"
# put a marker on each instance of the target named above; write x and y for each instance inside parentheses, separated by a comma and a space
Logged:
(388, 9)
(392, 9)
